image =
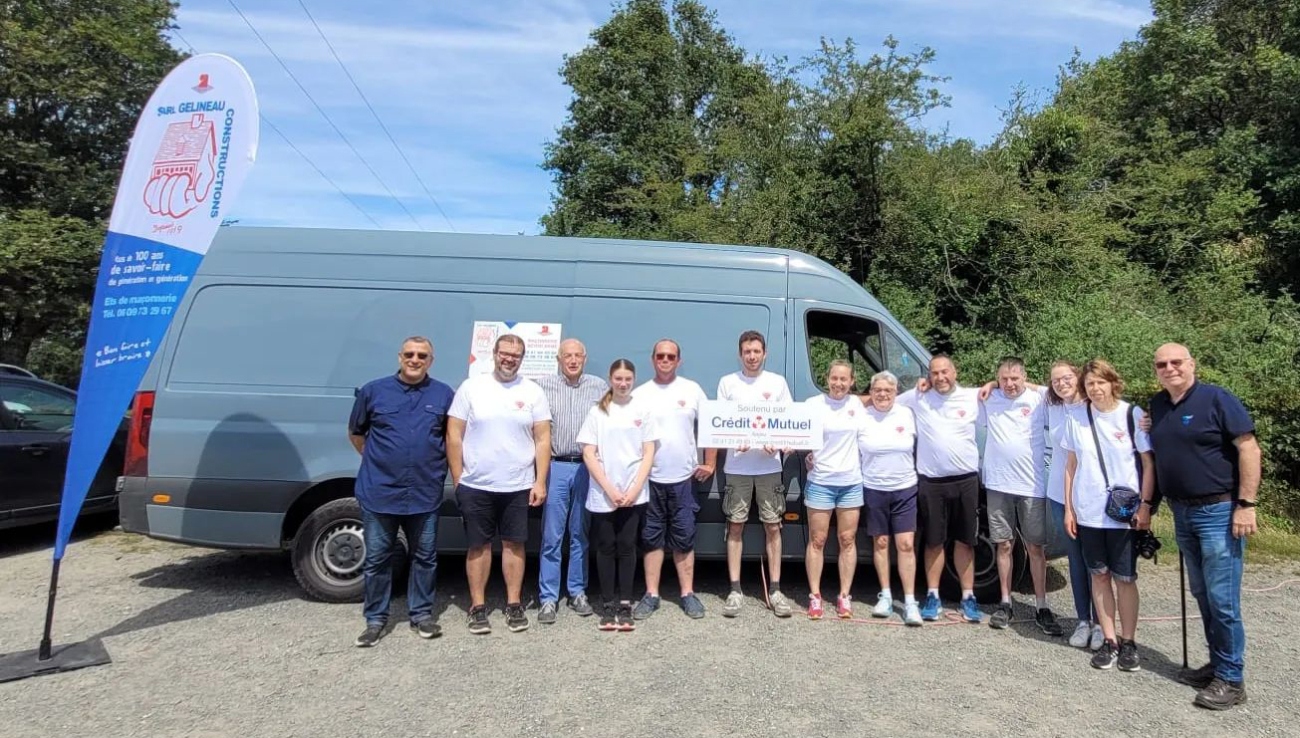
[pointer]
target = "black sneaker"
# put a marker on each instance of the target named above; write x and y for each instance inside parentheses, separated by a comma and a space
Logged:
(1128, 656)
(427, 629)
(1047, 623)
(624, 618)
(547, 615)
(607, 621)
(1106, 656)
(1001, 617)
(478, 621)
(1221, 695)
(1199, 678)
(581, 605)
(516, 619)
(369, 637)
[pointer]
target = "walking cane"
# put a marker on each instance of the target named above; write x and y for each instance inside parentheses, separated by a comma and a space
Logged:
(1182, 591)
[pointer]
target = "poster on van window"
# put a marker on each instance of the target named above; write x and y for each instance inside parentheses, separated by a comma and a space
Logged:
(541, 346)
(792, 425)
(192, 148)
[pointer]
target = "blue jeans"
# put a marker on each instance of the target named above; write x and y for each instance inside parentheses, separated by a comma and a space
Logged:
(1080, 579)
(1214, 562)
(380, 531)
(566, 507)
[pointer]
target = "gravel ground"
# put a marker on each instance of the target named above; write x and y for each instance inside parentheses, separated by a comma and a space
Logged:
(213, 643)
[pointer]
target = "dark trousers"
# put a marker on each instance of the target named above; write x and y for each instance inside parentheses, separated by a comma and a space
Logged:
(614, 535)
(380, 532)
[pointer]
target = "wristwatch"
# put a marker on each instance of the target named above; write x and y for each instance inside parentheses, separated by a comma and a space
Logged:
(1247, 503)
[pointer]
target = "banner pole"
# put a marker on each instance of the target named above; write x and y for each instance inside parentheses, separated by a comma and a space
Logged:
(44, 654)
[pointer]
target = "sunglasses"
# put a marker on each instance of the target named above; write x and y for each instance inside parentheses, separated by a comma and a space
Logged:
(665, 357)
(415, 355)
(1175, 363)
(504, 355)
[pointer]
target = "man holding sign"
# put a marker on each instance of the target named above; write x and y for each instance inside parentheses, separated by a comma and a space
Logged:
(754, 473)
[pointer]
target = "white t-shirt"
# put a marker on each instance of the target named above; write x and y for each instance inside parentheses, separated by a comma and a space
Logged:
(886, 444)
(766, 387)
(1013, 448)
(836, 463)
(499, 451)
(618, 437)
(675, 407)
(945, 428)
(1057, 425)
(1112, 432)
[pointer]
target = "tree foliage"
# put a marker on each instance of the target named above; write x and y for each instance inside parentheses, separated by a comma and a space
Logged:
(1152, 198)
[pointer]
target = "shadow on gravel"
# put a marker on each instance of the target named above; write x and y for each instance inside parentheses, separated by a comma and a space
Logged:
(29, 538)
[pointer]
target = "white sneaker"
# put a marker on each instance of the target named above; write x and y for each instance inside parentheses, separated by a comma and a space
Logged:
(912, 614)
(1082, 634)
(732, 608)
(780, 605)
(1097, 638)
(884, 606)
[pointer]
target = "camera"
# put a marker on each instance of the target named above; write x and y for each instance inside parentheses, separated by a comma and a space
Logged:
(1146, 544)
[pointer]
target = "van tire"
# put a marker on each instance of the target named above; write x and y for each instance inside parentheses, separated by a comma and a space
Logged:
(329, 550)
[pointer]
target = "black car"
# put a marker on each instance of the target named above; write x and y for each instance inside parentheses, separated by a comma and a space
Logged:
(35, 431)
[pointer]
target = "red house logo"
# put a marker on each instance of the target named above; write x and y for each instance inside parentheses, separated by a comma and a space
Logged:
(183, 168)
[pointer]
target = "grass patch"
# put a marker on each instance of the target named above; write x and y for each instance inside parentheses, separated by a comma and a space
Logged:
(1276, 541)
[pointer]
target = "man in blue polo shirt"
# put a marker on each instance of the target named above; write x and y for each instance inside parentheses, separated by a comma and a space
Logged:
(398, 425)
(1208, 468)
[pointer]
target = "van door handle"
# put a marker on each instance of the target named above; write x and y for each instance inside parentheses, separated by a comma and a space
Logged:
(36, 449)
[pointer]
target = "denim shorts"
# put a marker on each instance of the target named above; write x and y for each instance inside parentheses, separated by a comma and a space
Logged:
(1109, 550)
(818, 497)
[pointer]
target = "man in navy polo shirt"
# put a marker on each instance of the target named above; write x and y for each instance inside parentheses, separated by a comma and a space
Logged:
(398, 425)
(1208, 467)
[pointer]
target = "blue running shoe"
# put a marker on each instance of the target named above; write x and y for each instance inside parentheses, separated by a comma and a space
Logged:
(930, 610)
(970, 610)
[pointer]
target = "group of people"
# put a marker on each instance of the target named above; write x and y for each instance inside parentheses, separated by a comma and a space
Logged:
(614, 464)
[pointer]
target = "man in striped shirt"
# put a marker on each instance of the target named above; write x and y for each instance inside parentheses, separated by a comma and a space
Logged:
(571, 395)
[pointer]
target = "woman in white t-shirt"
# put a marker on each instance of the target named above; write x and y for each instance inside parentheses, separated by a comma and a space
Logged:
(887, 445)
(1065, 397)
(834, 485)
(618, 448)
(1100, 441)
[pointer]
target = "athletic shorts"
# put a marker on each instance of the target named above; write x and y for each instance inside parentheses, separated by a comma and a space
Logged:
(742, 489)
(670, 516)
(827, 497)
(490, 515)
(1007, 512)
(890, 512)
(949, 509)
(1109, 550)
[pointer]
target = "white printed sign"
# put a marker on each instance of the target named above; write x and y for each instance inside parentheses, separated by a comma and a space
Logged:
(746, 424)
(541, 346)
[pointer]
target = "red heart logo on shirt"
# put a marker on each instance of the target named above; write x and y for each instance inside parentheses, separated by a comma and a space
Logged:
(681, 403)
(850, 413)
(900, 429)
(767, 395)
(961, 413)
(519, 404)
(1119, 435)
(637, 422)
(1025, 411)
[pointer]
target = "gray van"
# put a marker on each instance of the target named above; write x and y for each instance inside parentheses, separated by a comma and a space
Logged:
(239, 437)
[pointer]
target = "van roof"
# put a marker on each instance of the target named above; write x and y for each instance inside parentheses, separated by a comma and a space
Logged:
(233, 247)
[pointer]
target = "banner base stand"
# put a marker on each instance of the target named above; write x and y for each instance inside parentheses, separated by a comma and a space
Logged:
(24, 664)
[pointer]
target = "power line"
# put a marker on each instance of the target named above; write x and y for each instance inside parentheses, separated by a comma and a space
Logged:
(305, 158)
(378, 120)
(324, 115)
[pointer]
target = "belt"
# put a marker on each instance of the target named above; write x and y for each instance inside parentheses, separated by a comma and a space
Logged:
(572, 459)
(1203, 500)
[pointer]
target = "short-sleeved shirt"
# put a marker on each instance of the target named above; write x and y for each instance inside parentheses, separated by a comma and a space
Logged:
(887, 444)
(1058, 417)
(1193, 441)
(837, 463)
(1089, 491)
(676, 408)
(619, 436)
(766, 387)
(404, 461)
(569, 405)
(500, 453)
(1014, 445)
(945, 428)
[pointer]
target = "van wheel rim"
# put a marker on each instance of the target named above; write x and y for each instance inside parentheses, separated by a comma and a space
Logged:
(341, 550)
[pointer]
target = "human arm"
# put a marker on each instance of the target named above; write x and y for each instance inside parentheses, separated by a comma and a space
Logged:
(1142, 521)
(455, 448)
(1071, 466)
(542, 454)
(705, 470)
(633, 490)
(596, 470)
(358, 442)
(359, 421)
(1249, 464)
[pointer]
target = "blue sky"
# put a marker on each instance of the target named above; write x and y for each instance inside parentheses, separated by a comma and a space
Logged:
(471, 91)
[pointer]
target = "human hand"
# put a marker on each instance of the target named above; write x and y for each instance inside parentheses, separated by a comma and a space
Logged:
(808, 461)
(537, 496)
(1071, 526)
(1144, 423)
(703, 472)
(1142, 521)
(1243, 522)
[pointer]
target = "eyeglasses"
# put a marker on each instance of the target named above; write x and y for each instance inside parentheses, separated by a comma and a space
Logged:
(1064, 378)
(504, 355)
(1175, 363)
(415, 355)
(665, 357)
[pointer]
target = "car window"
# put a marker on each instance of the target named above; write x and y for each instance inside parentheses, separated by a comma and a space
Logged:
(36, 408)
(903, 363)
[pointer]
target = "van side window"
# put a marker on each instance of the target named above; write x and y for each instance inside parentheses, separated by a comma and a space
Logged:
(902, 362)
(852, 338)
